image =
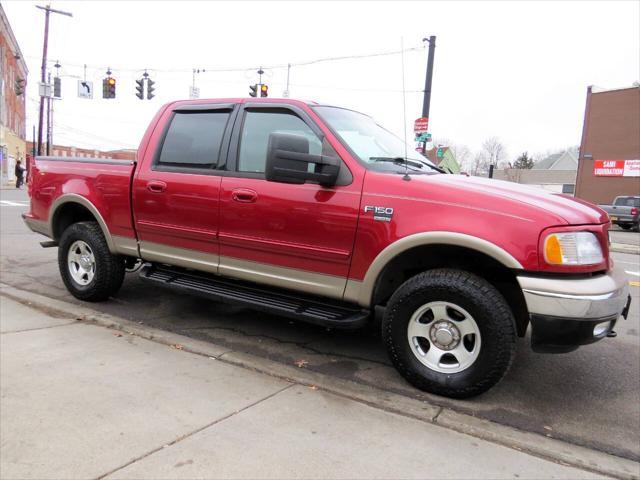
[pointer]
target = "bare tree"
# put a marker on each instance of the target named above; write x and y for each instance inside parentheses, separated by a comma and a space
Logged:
(479, 165)
(461, 152)
(494, 151)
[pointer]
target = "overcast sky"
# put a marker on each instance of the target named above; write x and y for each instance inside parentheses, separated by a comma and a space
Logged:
(515, 70)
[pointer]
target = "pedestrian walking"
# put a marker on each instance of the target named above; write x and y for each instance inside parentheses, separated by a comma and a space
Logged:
(19, 174)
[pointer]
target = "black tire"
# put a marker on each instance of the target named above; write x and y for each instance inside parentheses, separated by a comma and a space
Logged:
(482, 301)
(625, 226)
(109, 268)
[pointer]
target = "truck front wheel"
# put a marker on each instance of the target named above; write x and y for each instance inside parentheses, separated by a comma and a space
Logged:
(88, 269)
(449, 332)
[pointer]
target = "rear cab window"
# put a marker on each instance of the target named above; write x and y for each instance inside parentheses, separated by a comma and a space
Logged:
(193, 141)
(627, 202)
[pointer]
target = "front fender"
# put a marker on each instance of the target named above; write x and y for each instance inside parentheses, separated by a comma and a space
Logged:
(361, 292)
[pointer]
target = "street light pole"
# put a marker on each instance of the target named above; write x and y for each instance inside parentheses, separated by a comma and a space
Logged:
(43, 73)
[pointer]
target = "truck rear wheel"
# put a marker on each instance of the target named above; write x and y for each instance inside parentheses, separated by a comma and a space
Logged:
(449, 332)
(88, 269)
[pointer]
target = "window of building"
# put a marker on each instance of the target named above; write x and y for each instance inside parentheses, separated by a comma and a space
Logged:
(193, 140)
(568, 188)
(258, 125)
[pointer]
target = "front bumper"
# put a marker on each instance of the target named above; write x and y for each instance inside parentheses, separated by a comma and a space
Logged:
(565, 312)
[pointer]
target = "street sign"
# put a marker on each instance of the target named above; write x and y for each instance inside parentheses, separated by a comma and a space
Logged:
(421, 125)
(423, 137)
(85, 89)
(45, 90)
(194, 92)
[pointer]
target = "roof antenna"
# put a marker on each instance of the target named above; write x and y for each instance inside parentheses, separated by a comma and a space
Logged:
(404, 114)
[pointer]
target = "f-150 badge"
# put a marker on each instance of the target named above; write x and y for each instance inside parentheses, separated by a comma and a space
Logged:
(382, 214)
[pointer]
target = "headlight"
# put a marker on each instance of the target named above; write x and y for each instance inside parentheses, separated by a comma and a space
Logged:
(572, 248)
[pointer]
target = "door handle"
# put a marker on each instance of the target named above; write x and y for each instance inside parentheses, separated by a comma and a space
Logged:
(156, 186)
(244, 195)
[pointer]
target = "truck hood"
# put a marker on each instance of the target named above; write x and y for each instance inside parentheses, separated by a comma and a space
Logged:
(574, 211)
(500, 196)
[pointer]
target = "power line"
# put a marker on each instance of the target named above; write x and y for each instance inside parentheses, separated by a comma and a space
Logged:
(250, 68)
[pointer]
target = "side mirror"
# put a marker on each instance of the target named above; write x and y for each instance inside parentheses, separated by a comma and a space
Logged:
(288, 161)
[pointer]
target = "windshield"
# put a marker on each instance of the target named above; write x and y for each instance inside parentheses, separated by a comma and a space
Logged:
(378, 148)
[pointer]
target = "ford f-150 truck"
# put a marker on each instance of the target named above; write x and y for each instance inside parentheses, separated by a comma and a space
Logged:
(316, 212)
(625, 212)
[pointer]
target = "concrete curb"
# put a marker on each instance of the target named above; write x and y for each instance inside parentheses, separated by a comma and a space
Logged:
(625, 248)
(531, 443)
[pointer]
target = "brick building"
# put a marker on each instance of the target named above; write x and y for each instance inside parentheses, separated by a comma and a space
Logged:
(67, 151)
(13, 84)
(609, 162)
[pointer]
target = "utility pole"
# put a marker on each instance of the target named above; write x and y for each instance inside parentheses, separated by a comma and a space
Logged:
(286, 91)
(49, 118)
(426, 102)
(43, 72)
(260, 72)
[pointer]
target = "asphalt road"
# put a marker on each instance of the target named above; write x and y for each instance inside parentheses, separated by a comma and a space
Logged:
(589, 397)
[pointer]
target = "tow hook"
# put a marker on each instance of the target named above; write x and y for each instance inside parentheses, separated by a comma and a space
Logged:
(612, 334)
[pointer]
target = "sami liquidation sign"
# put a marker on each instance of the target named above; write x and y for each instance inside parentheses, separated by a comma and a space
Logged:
(616, 168)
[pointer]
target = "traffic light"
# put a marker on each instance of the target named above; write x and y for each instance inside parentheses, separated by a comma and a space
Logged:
(19, 86)
(109, 87)
(140, 89)
(150, 88)
(57, 87)
(264, 91)
(253, 90)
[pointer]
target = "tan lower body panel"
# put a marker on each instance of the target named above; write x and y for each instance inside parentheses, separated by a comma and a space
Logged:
(180, 257)
(291, 278)
(353, 293)
(125, 245)
(283, 277)
(38, 226)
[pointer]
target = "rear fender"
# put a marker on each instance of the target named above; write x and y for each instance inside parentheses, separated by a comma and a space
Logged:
(75, 198)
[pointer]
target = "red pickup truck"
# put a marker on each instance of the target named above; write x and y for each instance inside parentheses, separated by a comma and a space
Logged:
(318, 213)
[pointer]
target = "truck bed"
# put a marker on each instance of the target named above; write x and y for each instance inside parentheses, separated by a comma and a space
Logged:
(104, 183)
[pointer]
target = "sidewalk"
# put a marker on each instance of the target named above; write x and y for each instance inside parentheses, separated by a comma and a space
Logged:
(84, 401)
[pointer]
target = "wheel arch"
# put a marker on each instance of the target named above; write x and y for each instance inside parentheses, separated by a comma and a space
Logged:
(72, 208)
(416, 253)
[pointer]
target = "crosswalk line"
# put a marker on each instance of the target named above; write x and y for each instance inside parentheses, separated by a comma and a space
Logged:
(9, 203)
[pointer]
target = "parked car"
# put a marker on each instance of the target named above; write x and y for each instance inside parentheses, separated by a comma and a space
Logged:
(625, 212)
(315, 212)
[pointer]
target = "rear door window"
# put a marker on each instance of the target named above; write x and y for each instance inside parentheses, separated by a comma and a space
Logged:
(193, 140)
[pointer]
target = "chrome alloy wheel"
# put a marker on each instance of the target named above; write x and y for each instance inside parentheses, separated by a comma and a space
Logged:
(81, 263)
(444, 337)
